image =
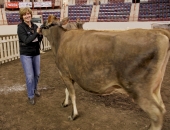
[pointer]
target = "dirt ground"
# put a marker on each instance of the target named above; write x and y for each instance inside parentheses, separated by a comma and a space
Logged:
(114, 112)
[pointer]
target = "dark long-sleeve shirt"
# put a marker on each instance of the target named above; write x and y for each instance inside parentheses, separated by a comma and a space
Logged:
(29, 39)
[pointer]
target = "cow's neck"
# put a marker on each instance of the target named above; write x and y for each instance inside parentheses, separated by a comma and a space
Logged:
(57, 36)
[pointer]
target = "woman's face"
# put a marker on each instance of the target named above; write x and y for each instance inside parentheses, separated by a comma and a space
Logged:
(27, 17)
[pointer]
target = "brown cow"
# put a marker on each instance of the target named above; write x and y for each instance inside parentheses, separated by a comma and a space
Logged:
(160, 25)
(103, 62)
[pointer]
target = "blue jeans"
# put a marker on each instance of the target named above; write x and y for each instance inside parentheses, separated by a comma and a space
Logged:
(31, 66)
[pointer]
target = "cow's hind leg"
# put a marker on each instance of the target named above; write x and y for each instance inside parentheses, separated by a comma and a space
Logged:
(66, 100)
(70, 91)
(151, 101)
(157, 90)
(156, 95)
(153, 109)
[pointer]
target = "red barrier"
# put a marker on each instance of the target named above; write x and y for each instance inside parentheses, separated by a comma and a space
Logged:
(13, 5)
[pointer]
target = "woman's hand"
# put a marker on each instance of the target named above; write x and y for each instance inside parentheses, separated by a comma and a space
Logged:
(39, 30)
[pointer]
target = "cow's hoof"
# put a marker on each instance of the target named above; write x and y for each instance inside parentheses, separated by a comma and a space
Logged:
(70, 118)
(73, 117)
(64, 105)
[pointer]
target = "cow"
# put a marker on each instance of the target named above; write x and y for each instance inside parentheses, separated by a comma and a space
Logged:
(103, 62)
(160, 26)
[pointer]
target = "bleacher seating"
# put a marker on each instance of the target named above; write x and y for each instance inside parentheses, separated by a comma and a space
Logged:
(115, 1)
(46, 13)
(13, 18)
(53, 1)
(79, 11)
(16, 0)
(154, 10)
(80, 2)
(113, 11)
(158, 1)
(118, 12)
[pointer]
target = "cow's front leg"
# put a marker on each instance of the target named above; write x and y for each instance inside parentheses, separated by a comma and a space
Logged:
(66, 100)
(70, 91)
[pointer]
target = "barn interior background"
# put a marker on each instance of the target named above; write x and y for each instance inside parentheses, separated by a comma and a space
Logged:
(98, 15)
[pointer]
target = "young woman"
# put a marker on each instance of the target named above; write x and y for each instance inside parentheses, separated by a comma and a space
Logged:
(29, 38)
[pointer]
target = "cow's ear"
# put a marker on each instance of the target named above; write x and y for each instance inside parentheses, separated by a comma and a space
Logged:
(45, 21)
(54, 17)
(60, 25)
(49, 18)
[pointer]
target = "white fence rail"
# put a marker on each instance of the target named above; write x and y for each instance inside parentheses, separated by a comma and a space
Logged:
(9, 47)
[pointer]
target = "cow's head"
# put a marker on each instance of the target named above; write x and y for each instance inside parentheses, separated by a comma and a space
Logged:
(65, 24)
(52, 28)
(161, 26)
(51, 21)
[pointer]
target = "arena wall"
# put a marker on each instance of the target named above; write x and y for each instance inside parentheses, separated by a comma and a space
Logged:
(9, 29)
(118, 25)
(12, 29)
